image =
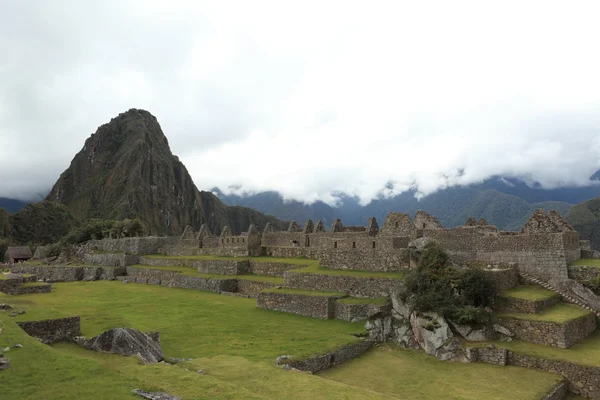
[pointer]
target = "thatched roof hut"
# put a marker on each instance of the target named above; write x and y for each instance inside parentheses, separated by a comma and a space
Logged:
(16, 254)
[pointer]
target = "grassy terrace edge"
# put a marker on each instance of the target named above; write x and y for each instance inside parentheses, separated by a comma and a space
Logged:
(189, 271)
(559, 314)
(529, 292)
(589, 262)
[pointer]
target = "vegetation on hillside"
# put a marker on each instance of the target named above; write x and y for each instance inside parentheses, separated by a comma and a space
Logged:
(459, 294)
(40, 224)
(97, 229)
(585, 219)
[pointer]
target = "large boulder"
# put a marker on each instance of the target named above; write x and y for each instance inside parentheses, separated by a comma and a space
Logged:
(475, 334)
(127, 342)
(155, 395)
(4, 363)
(432, 333)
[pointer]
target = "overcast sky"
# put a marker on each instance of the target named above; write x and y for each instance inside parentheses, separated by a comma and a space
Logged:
(311, 97)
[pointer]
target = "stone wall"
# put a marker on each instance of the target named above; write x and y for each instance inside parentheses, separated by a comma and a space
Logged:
(224, 267)
(53, 330)
(310, 306)
(504, 279)
(583, 380)
(333, 358)
(252, 288)
(522, 306)
(134, 245)
(111, 259)
(583, 273)
(70, 274)
(271, 268)
(542, 255)
(550, 333)
(365, 259)
(31, 289)
(558, 392)
(230, 251)
(488, 355)
(356, 286)
(359, 312)
(177, 280)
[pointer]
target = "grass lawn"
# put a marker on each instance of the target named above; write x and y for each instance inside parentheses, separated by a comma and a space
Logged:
(585, 352)
(235, 343)
(592, 262)
(559, 313)
(193, 272)
(529, 292)
(408, 374)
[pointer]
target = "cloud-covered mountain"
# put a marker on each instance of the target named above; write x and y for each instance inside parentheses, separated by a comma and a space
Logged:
(504, 202)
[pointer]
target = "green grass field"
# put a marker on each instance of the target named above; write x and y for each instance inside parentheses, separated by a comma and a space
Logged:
(193, 272)
(235, 343)
(529, 292)
(559, 313)
(592, 262)
(408, 374)
(585, 352)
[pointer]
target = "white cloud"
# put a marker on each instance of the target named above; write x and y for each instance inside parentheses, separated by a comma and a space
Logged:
(309, 98)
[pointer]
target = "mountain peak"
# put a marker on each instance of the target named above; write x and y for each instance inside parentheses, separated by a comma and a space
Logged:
(126, 170)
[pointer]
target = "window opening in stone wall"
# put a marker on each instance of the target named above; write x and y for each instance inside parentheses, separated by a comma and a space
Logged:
(335, 245)
(397, 224)
(243, 240)
(373, 244)
(353, 245)
(423, 225)
(307, 241)
(222, 240)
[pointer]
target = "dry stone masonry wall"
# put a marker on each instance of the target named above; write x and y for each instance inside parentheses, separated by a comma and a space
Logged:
(53, 330)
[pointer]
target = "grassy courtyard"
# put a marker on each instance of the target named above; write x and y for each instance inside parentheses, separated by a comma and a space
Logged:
(234, 343)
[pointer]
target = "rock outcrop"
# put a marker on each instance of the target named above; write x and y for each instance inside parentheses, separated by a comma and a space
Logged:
(4, 363)
(126, 170)
(126, 342)
(154, 395)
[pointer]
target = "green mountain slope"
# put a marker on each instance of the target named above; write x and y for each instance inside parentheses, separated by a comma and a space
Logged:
(585, 219)
(126, 170)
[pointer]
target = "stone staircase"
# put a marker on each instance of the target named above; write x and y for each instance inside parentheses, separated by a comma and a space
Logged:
(537, 315)
(565, 296)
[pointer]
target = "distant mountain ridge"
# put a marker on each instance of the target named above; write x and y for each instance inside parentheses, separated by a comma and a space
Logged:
(504, 202)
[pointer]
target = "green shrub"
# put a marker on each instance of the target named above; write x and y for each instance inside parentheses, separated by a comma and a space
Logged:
(434, 286)
(54, 250)
(469, 315)
(476, 289)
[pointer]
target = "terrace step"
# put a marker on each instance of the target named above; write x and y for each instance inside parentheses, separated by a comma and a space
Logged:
(323, 305)
(350, 282)
(561, 325)
(565, 296)
(301, 302)
(188, 278)
(528, 299)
